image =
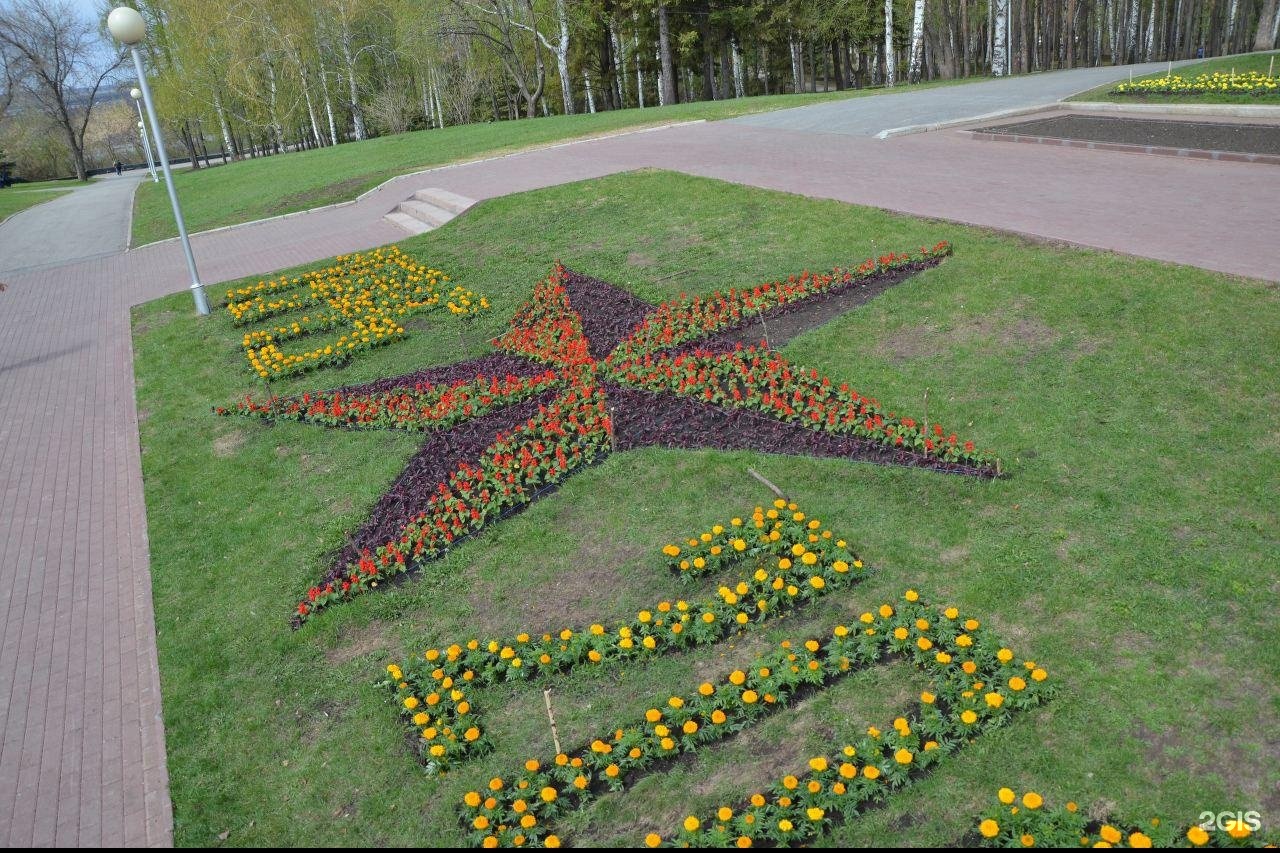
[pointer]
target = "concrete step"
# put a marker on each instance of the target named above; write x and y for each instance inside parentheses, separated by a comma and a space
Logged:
(449, 201)
(409, 223)
(425, 211)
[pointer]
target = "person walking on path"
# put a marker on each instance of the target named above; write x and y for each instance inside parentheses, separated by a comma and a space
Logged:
(119, 168)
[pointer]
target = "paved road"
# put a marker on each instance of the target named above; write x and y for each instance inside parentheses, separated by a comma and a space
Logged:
(75, 596)
(91, 222)
(868, 116)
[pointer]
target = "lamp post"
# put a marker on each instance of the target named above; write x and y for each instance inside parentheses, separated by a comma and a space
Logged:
(136, 94)
(128, 28)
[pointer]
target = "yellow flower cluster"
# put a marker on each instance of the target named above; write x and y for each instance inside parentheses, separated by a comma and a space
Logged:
(781, 581)
(363, 295)
(1244, 82)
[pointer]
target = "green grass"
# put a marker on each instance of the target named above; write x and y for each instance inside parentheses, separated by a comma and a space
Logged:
(21, 196)
(1132, 550)
(1260, 62)
(270, 186)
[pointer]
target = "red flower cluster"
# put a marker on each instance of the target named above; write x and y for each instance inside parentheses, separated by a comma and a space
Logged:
(546, 327)
(682, 320)
(421, 407)
(562, 437)
(757, 379)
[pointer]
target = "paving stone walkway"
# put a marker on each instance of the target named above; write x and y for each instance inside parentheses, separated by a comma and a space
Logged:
(82, 758)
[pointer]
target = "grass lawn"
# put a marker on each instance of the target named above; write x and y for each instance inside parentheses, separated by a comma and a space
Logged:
(1260, 62)
(271, 186)
(21, 196)
(1131, 550)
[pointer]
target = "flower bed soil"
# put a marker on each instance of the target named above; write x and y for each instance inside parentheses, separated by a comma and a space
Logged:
(784, 323)
(642, 418)
(609, 313)
(1165, 133)
(432, 465)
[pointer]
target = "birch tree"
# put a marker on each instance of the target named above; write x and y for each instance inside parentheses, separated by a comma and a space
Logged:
(917, 43)
(890, 54)
(1000, 38)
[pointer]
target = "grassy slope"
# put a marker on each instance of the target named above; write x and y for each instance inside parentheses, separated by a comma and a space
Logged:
(1132, 551)
(271, 186)
(1249, 62)
(14, 199)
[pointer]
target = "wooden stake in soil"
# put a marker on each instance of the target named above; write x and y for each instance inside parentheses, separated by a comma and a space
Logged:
(770, 486)
(760, 314)
(613, 441)
(926, 412)
(555, 735)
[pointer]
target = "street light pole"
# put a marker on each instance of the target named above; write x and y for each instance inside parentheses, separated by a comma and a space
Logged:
(136, 94)
(128, 28)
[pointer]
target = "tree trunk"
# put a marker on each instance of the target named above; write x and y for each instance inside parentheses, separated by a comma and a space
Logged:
(591, 98)
(357, 114)
(795, 64)
(890, 59)
(1000, 39)
(664, 48)
(1268, 22)
(227, 140)
(917, 44)
(562, 58)
(739, 86)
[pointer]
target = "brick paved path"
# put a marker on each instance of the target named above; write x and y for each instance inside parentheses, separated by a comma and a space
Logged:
(82, 757)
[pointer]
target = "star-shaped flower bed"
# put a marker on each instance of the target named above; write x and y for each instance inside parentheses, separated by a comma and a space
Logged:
(586, 370)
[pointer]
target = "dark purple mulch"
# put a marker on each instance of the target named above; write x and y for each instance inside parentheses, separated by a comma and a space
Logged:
(642, 418)
(430, 466)
(609, 313)
(786, 322)
(498, 364)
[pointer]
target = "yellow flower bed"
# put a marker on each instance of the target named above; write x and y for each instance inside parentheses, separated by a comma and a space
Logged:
(785, 560)
(1245, 82)
(364, 296)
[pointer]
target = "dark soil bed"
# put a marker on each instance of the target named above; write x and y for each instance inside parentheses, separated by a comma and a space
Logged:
(1197, 135)
(643, 419)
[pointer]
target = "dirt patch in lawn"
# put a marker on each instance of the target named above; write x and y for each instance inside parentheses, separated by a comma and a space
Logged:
(359, 641)
(927, 341)
(225, 446)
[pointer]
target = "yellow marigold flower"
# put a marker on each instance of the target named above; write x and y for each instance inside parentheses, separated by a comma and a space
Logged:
(1197, 836)
(1139, 840)
(785, 825)
(912, 595)
(1237, 829)
(528, 821)
(472, 799)
(717, 716)
(790, 782)
(848, 771)
(1028, 840)
(690, 727)
(1039, 675)
(817, 765)
(994, 700)
(968, 717)
(989, 828)
(552, 841)
(1033, 801)
(743, 841)
(481, 822)
(548, 794)
(1007, 796)
(871, 772)
(653, 839)
(815, 814)
(411, 702)
(817, 582)
(924, 644)
(840, 566)
(675, 702)
(900, 633)
(885, 611)
(691, 824)
(903, 756)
